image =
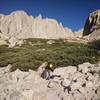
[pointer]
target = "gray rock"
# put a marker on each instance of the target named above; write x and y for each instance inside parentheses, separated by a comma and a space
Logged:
(67, 83)
(92, 26)
(92, 22)
(84, 68)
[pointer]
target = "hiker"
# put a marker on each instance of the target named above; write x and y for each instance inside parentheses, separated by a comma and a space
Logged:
(41, 68)
(45, 70)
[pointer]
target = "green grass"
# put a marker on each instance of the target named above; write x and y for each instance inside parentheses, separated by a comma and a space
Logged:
(61, 54)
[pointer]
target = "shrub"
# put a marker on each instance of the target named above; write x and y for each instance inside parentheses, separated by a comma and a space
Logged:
(59, 53)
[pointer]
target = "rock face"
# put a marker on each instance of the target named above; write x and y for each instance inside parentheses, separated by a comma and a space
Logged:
(92, 26)
(79, 33)
(67, 83)
(18, 25)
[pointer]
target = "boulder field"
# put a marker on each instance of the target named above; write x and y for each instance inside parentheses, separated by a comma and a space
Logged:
(80, 82)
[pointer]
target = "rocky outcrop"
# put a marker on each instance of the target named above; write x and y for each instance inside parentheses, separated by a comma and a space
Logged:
(92, 26)
(79, 33)
(92, 23)
(67, 83)
(18, 25)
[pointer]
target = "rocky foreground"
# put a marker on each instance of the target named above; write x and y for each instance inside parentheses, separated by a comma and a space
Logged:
(67, 83)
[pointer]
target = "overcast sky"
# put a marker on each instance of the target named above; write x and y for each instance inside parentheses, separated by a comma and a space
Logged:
(72, 13)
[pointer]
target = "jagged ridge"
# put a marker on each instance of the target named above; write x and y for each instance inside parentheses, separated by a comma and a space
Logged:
(18, 25)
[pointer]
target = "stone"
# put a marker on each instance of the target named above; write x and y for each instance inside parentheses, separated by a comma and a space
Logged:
(28, 94)
(84, 68)
(67, 83)
(83, 90)
(92, 26)
(89, 84)
(65, 70)
(50, 41)
(4, 70)
(79, 33)
(59, 71)
(92, 22)
(77, 75)
(78, 96)
(53, 96)
(68, 97)
(71, 69)
(2, 42)
(76, 85)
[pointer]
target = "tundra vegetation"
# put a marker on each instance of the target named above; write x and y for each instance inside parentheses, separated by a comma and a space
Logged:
(36, 51)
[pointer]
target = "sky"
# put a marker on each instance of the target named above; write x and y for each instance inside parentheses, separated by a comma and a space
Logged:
(71, 13)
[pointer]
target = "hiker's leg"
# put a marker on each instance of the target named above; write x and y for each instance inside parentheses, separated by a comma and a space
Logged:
(46, 74)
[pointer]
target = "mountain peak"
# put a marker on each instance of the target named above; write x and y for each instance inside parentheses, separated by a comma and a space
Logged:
(21, 12)
(39, 16)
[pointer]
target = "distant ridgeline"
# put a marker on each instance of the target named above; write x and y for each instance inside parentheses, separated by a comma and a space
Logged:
(18, 26)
